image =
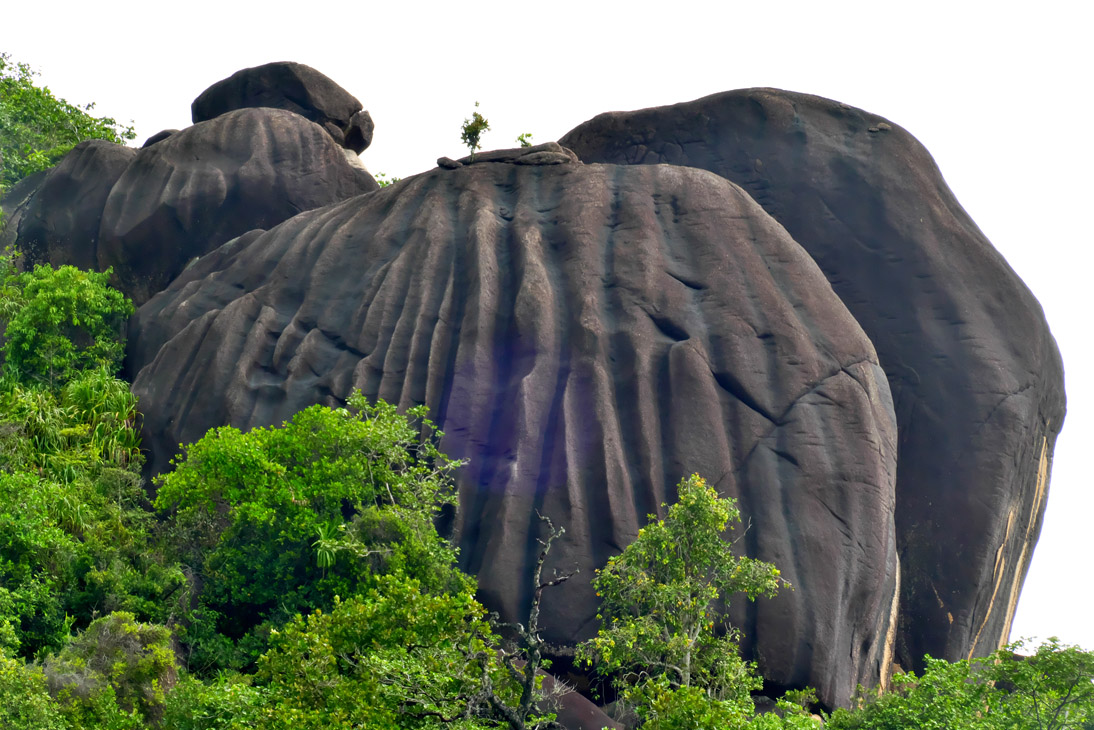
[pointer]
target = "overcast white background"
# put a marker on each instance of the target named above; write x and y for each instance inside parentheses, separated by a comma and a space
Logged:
(1000, 97)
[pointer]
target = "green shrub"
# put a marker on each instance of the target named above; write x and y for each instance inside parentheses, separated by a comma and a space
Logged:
(1051, 690)
(472, 129)
(115, 661)
(37, 128)
(135, 660)
(660, 629)
(228, 702)
(59, 322)
(278, 521)
(25, 703)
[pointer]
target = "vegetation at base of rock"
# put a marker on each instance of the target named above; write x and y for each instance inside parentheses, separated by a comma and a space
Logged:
(1052, 689)
(37, 128)
(279, 521)
(59, 322)
(75, 524)
(662, 637)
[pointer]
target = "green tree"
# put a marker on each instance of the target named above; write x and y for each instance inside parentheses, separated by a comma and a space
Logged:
(59, 322)
(37, 128)
(662, 637)
(1053, 689)
(25, 703)
(116, 669)
(472, 129)
(229, 701)
(394, 657)
(278, 521)
(75, 523)
(401, 657)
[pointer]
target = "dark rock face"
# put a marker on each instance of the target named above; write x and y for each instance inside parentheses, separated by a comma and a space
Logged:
(59, 222)
(586, 335)
(196, 189)
(159, 137)
(296, 88)
(975, 374)
(14, 204)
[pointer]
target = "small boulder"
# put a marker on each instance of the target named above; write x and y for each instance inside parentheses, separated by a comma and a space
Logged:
(296, 88)
(158, 137)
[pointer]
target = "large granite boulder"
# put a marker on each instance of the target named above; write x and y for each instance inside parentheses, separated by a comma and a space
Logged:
(975, 374)
(297, 88)
(586, 336)
(59, 222)
(195, 189)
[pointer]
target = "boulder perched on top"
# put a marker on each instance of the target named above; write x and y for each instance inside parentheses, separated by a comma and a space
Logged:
(296, 88)
(586, 336)
(975, 374)
(195, 189)
(58, 223)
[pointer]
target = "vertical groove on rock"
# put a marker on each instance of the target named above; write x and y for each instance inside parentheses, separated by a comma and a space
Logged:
(586, 336)
(975, 376)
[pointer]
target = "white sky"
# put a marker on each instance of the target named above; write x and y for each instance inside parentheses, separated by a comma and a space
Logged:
(1001, 98)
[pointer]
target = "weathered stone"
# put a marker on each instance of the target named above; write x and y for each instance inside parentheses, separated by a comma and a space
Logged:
(296, 88)
(548, 153)
(448, 163)
(14, 205)
(358, 135)
(191, 192)
(60, 223)
(586, 336)
(975, 374)
(158, 137)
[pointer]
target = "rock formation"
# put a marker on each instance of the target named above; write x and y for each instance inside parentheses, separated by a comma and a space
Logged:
(802, 320)
(975, 374)
(196, 189)
(297, 88)
(585, 336)
(258, 154)
(59, 222)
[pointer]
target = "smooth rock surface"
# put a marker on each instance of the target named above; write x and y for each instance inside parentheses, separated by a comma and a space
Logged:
(14, 204)
(159, 137)
(60, 223)
(586, 336)
(189, 193)
(975, 373)
(296, 88)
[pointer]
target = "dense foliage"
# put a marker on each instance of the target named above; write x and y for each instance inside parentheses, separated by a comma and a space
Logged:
(74, 520)
(1052, 689)
(59, 322)
(662, 635)
(279, 521)
(293, 577)
(37, 128)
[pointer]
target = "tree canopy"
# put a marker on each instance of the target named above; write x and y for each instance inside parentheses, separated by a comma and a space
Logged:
(37, 128)
(662, 636)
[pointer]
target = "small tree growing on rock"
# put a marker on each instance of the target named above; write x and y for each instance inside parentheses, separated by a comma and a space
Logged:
(472, 129)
